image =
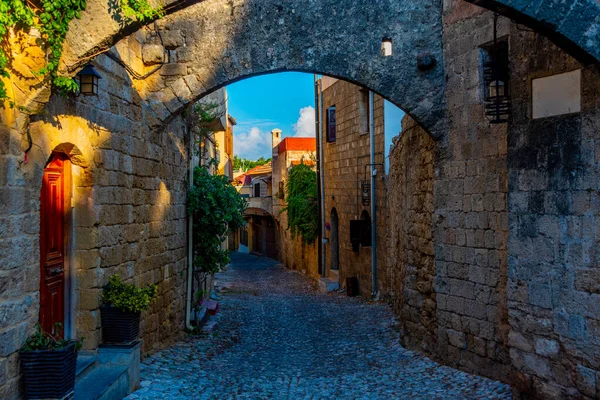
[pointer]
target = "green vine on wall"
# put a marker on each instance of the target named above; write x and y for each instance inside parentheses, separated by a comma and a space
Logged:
(302, 203)
(52, 18)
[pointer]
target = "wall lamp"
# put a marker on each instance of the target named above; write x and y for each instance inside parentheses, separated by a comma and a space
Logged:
(88, 81)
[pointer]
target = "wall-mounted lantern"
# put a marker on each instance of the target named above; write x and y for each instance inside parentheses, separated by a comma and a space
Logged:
(386, 47)
(495, 72)
(365, 190)
(88, 81)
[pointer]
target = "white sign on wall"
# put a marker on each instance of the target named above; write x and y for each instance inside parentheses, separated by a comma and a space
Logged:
(556, 94)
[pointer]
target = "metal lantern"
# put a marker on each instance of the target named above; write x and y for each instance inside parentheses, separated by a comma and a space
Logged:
(88, 80)
(495, 71)
(366, 192)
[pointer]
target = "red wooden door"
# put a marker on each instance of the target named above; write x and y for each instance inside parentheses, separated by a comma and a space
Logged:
(53, 210)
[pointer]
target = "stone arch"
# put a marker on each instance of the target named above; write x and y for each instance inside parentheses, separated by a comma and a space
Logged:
(574, 22)
(71, 135)
(572, 25)
(284, 36)
(214, 45)
(72, 151)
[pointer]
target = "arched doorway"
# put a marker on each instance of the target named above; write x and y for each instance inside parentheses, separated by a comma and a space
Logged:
(55, 199)
(334, 246)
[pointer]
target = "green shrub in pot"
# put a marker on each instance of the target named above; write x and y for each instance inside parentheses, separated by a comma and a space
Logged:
(49, 363)
(122, 304)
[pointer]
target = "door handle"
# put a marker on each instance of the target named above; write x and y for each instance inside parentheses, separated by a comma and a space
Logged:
(56, 271)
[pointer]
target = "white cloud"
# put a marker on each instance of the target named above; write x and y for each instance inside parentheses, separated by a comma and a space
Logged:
(252, 144)
(305, 127)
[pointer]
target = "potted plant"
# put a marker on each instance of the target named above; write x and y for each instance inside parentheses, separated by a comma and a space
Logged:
(122, 305)
(49, 364)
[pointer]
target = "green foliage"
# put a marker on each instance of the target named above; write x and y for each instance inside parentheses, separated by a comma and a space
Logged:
(244, 164)
(203, 116)
(126, 296)
(302, 203)
(42, 340)
(52, 18)
(140, 10)
(216, 207)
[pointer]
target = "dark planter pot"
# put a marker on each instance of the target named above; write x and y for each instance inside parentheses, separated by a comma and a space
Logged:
(119, 326)
(49, 374)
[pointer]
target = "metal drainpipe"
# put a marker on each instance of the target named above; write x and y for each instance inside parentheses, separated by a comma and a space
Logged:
(188, 307)
(318, 138)
(373, 198)
(322, 183)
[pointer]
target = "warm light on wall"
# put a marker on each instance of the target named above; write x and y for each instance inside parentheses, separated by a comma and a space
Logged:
(386, 47)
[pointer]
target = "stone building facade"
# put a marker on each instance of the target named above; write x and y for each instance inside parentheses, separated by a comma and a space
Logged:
(127, 216)
(346, 160)
(292, 251)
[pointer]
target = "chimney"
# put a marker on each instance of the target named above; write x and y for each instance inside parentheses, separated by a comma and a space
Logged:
(276, 139)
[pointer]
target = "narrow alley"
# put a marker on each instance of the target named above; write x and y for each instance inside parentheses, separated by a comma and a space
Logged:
(277, 337)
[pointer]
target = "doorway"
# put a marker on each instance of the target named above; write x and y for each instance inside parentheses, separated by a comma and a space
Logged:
(334, 241)
(55, 205)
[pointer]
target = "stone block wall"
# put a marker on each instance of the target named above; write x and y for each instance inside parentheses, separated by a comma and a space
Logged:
(344, 169)
(128, 216)
(293, 253)
(471, 210)
(411, 266)
(554, 213)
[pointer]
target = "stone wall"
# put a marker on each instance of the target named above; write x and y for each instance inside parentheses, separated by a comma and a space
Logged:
(344, 163)
(471, 211)
(128, 217)
(293, 253)
(554, 214)
(411, 266)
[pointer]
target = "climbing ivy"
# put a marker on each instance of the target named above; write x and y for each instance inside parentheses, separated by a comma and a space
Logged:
(302, 203)
(52, 18)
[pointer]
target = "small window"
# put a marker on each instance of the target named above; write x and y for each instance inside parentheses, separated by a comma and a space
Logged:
(331, 124)
(257, 190)
(281, 190)
(364, 111)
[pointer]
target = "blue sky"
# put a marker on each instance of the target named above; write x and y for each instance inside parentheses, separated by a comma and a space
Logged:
(284, 101)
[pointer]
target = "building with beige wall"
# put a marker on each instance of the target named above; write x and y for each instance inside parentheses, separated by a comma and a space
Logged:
(346, 171)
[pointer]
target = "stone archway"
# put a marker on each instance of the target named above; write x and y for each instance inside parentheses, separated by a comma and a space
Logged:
(573, 22)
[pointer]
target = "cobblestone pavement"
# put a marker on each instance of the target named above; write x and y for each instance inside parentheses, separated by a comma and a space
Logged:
(278, 337)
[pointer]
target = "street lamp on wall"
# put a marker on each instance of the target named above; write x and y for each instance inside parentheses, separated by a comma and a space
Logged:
(495, 72)
(88, 81)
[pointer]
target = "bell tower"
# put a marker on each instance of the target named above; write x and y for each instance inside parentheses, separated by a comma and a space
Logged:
(276, 139)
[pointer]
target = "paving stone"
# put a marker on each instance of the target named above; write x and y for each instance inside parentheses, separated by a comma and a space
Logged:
(278, 337)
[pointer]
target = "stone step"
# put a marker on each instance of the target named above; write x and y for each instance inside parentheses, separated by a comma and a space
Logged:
(327, 285)
(103, 382)
(85, 363)
(211, 306)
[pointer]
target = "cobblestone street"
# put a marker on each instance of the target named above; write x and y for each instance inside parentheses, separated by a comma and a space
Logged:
(277, 337)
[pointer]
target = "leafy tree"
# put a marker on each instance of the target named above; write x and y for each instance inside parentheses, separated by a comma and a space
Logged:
(244, 164)
(216, 208)
(302, 203)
